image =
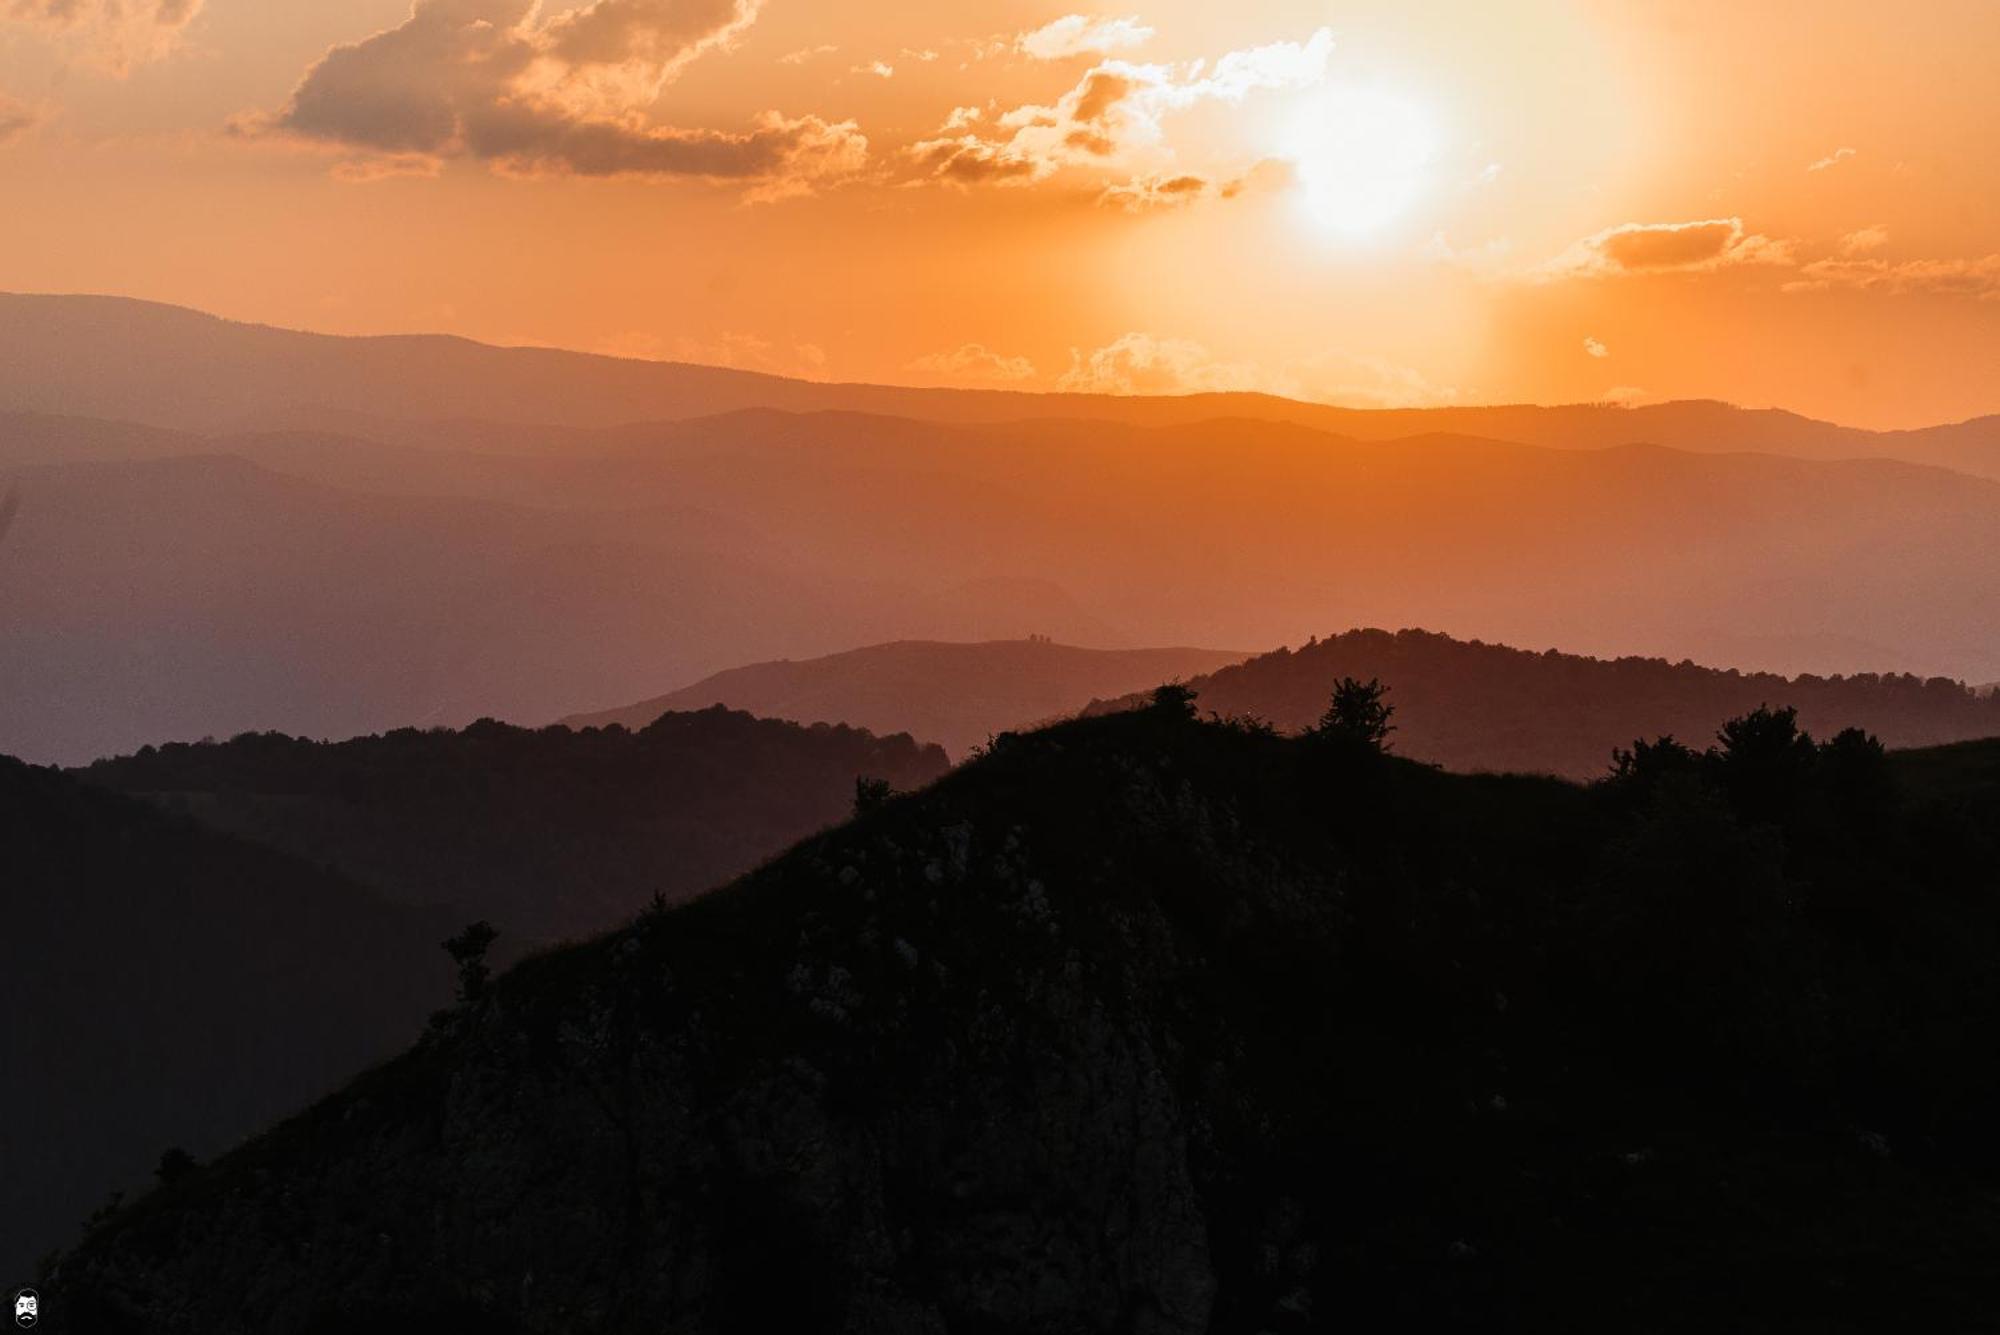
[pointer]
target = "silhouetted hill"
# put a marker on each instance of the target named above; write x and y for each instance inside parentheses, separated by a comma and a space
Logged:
(955, 694)
(1472, 706)
(182, 597)
(1145, 1023)
(166, 985)
(112, 357)
(549, 833)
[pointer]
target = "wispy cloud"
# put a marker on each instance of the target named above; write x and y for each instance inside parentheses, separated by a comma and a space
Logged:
(974, 362)
(806, 53)
(1595, 347)
(16, 118)
(1833, 159)
(1975, 278)
(1080, 35)
(1115, 109)
(1142, 363)
(115, 34)
(1864, 240)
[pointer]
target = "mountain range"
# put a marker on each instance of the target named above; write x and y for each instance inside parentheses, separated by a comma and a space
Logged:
(112, 357)
(209, 937)
(959, 695)
(1470, 706)
(329, 588)
(1146, 1023)
(549, 833)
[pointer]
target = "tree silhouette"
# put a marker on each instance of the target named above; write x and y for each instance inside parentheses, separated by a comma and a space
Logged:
(1174, 698)
(1359, 713)
(870, 794)
(468, 951)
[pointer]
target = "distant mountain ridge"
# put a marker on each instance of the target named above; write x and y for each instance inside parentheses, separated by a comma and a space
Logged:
(956, 694)
(327, 588)
(1473, 706)
(114, 357)
(550, 833)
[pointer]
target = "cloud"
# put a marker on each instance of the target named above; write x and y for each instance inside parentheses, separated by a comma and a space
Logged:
(497, 81)
(1143, 364)
(1866, 239)
(1833, 159)
(1144, 193)
(1685, 247)
(970, 160)
(1140, 363)
(16, 118)
(974, 361)
(1163, 190)
(116, 34)
(880, 69)
(744, 351)
(1976, 278)
(1595, 348)
(385, 167)
(804, 54)
(1078, 34)
(1113, 113)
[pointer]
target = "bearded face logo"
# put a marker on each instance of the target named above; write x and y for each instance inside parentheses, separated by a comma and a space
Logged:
(27, 1308)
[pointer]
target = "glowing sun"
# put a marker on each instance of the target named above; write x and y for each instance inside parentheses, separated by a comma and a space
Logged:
(1362, 156)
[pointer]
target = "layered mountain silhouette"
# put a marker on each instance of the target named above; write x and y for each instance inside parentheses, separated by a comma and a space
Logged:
(330, 589)
(957, 694)
(1145, 1023)
(166, 985)
(118, 358)
(1472, 706)
(549, 833)
(265, 923)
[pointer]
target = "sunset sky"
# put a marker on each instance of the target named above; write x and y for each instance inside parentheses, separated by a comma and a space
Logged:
(1405, 203)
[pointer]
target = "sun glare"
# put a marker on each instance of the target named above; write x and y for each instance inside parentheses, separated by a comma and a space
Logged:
(1361, 155)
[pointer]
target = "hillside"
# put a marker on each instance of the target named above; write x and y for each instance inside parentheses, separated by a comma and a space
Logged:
(549, 833)
(1472, 706)
(176, 598)
(116, 358)
(165, 985)
(959, 695)
(1145, 1023)
(172, 598)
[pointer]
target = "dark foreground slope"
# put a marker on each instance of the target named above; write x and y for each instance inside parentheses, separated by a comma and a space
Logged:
(1473, 706)
(164, 985)
(549, 833)
(1145, 1024)
(958, 695)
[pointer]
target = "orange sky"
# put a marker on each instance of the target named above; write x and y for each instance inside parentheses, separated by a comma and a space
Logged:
(1409, 203)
